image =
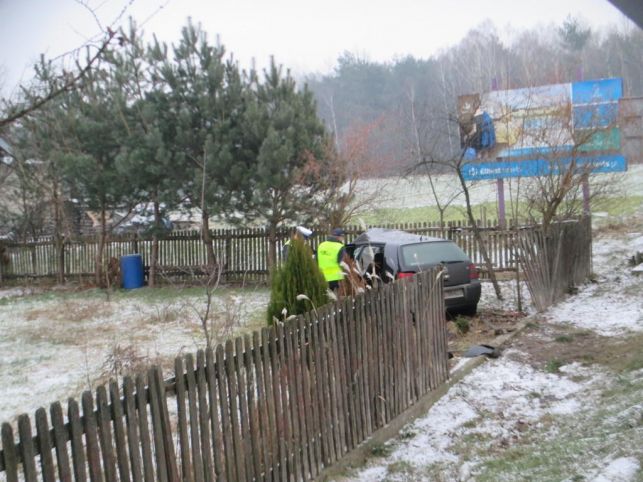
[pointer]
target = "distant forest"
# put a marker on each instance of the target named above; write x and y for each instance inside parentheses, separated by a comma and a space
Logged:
(405, 110)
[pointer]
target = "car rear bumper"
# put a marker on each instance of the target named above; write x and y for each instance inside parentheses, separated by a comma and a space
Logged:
(462, 295)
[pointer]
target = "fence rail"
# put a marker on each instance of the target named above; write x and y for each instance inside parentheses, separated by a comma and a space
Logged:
(279, 404)
(241, 252)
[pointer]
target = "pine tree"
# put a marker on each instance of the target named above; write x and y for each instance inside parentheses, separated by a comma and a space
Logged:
(298, 276)
(288, 141)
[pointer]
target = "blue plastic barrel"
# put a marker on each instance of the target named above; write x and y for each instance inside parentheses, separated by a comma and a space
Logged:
(132, 271)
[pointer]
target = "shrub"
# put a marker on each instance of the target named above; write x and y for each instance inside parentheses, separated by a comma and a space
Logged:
(299, 275)
(462, 324)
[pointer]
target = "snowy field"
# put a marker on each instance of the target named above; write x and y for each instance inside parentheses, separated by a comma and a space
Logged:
(525, 416)
(55, 345)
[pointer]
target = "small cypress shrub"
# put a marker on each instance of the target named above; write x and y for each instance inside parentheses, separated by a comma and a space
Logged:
(299, 275)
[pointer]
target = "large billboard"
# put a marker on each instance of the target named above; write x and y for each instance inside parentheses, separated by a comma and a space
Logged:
(557, 122)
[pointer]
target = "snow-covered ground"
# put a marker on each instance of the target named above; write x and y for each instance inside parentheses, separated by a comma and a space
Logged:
(510, 419)
(54, 345)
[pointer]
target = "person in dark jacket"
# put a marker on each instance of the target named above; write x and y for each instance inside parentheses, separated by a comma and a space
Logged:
(330, 255)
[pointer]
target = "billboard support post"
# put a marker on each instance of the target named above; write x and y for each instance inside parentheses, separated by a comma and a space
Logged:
(500, 182)
(586, 207)
(585, 181)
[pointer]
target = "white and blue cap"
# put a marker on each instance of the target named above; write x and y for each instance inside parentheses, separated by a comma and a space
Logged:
(305, 232)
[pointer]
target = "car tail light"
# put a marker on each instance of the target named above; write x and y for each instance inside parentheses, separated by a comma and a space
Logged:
(406, 274)
(474, 273)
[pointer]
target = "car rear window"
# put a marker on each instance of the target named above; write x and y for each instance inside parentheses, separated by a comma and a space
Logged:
(422, 254)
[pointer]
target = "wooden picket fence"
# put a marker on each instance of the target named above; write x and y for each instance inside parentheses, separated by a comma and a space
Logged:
(243, 253)
(555, 259)
(280, 404)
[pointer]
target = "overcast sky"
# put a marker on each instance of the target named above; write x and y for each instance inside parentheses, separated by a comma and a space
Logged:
(305, 36)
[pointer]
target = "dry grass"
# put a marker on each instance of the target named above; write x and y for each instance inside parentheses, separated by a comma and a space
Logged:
(483, 329)
(71, 310)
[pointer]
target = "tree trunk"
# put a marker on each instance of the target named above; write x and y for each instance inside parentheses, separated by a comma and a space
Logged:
(59, 240)
(476, 233)
(155, 245)
(99, 278)
(272, 245)
(207, 239)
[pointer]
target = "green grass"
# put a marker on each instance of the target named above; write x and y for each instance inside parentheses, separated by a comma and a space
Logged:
(614, 206)
(564, 339)
(553, 366)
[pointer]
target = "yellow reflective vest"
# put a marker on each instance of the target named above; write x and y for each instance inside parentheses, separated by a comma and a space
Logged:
(327, 254)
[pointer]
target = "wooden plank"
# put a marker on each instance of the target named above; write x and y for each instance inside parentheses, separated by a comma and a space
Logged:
(215, 417)
(157, 428)
(384, 357)
(296, 405)
(195, 439)
(91, 437)
(61, 435)
(266, 441)
(105, 434)
(358, 365)
(45, 446)
(340, 377)
(352, 393)
(362, 364)
(252, 394)
(144, 428)
(166, 426)
(318, 389)
(309, 414)
(280, 381)
(234, 410)
(77, 448)
(272, 405)
(10, 455)
(226, 424)
(119, 432)
(243, 407)
(184, 441)
(27, 449)
(333, 378)
(132, 424)
(204, 420)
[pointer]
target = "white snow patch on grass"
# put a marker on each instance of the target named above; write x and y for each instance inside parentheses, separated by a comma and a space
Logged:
(613, 305)
(497, 396)
(622, 469)
(56, 345)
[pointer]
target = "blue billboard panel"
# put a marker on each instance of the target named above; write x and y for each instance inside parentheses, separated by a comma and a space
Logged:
(541, 167)
(597, 91)
(595, 116)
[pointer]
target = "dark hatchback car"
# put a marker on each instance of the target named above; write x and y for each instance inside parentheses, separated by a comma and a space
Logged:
(392, 254)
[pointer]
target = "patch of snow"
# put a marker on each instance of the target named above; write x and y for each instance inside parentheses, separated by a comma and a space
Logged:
(622, 469)
(53, 349)
(489, 300)
(610, 306)
(501, 393)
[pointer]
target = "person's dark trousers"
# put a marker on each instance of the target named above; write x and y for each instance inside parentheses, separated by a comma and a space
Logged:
(333, 285)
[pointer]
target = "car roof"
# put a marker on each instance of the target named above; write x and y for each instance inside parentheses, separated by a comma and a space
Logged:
(392, 236)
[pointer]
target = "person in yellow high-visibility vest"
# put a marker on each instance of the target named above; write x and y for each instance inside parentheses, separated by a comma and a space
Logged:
(330, 255)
